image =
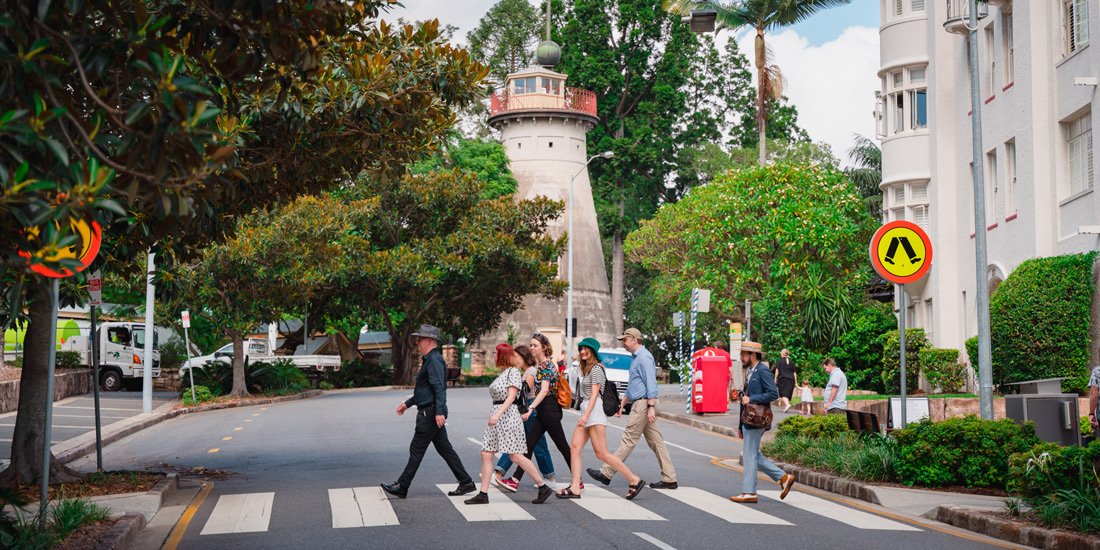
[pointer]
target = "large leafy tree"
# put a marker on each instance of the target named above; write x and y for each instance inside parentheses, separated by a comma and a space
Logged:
(505, 37)
(763, 16)
(484, 157)
(165, 120)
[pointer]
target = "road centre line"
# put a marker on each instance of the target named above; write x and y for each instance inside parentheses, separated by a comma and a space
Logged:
(655, 542)
(667, 442)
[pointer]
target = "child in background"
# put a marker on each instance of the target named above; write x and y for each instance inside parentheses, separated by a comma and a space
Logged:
(807, 398)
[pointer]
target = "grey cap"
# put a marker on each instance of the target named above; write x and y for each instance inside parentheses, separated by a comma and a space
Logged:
(427, 331)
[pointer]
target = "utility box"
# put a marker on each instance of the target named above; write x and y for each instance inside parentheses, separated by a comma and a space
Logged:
(710, 379)
(1054, 413)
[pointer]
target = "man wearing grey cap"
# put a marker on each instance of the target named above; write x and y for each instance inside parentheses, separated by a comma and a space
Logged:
(430, 398)
(641, 394)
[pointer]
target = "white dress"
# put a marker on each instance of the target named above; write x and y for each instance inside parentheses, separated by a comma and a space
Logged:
(507, 436)
(807, 395)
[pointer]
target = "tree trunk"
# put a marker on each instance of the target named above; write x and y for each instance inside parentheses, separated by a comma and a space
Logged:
(761, 101)
(402, 351)
(618, 275)
(30, 421)
(240, 387)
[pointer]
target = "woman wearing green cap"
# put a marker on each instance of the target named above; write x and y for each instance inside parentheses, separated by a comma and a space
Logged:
(593, 423)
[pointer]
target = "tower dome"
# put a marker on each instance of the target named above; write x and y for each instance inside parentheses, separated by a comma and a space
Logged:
(548, 53)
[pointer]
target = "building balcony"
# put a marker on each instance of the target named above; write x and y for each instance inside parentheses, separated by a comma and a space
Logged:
(571, 100)
(958, 15)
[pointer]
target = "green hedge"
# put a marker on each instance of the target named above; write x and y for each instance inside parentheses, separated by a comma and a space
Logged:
(1031, 475)
(813, 427)
(960, 451)
(859, 350)
(972, 352)
(915, 340)
(942, 369)
(1039, 321)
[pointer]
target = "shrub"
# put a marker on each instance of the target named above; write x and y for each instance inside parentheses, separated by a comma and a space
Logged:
(70, 514)
(960, 451)
(1086, 428)
(1039, 321)
(172, 354)
(280, 376)
(361, 373)
(813, 427)
(1062, 468)
(215, 375)
(68, 360)
(326, 385)
(971, 345)
(859, 350)
(202, 395)
(915, 340)
(942, 368)
(483, 380)
(869, 458)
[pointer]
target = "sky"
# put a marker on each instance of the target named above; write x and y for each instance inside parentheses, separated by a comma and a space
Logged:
(829, 62)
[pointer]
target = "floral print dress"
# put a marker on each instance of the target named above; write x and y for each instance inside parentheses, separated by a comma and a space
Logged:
(507, 436)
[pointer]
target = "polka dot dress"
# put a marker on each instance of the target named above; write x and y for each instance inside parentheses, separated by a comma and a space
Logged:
(507, 436)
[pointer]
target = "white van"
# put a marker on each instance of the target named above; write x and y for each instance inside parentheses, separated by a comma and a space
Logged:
(617, 363)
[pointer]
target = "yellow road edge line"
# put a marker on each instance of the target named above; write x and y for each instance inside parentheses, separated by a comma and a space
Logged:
(857, 504)
(176, 535)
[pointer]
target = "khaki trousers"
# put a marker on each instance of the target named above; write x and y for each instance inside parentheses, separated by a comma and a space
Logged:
(638, 425)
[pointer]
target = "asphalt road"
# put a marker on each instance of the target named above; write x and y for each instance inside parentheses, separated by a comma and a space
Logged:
(300, 468)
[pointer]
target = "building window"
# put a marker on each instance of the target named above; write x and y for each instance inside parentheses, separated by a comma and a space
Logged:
(1079, 146)
(1075, 21)
(550, 85)
(916, 6)
(897, 8)
(990, 66)
(899, 112)
(908, 201)
(930, 321)
(991, 186)
(906, 94)
(525, 85)
(1010, 177)
(1007, 45)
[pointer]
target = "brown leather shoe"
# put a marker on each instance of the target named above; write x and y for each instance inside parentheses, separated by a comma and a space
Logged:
(744, 498)
(785, 483)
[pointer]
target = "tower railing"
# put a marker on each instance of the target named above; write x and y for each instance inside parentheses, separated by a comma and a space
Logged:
(573, 99)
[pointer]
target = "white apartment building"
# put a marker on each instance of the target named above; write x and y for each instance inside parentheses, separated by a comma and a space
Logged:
(1039, 64)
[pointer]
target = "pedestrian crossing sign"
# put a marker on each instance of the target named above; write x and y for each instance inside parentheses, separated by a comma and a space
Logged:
(901, 252)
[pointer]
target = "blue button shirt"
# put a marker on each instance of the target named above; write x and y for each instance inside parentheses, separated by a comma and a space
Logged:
(642, 383)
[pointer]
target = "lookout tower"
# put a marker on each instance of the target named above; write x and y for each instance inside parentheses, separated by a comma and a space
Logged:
(543, 124)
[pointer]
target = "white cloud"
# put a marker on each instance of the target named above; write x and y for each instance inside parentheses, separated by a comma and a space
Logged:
(832, 85)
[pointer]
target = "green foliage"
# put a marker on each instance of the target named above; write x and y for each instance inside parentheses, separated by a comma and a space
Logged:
(1039, 321)
(70, 514)
(813, 427)
(68, 360)
(504, 38)
(960, 451)
(485, 158)
(1077, 509)
(326, 385)
(971, 345)
(851, 455)
(482, 380)
(915, 341)
(202, 394)
(280, 375)
(1048, 467)
(17, 530)
(859, 350)
(1086, 428)
(942, 369)
(172, 354)
(361, 373)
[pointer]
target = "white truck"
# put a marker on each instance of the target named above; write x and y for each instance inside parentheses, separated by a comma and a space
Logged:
(121, 353)
(257, 349)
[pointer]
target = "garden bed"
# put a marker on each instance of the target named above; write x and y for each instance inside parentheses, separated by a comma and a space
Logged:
(87, 536)
(96, 484)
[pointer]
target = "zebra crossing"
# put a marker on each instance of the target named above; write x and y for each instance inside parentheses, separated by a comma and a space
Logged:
(369, 507)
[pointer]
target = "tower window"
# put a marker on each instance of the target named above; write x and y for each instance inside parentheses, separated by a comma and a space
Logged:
(551, 144)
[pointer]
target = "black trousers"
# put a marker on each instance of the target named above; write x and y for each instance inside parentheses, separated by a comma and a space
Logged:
(428, 432)
(547, 421)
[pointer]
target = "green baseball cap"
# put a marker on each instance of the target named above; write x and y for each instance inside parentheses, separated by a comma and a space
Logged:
(589, 343)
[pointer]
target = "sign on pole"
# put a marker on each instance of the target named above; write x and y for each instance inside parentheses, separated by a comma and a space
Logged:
(902, 253)
(186, 318)
(95, 289)
(704, 300)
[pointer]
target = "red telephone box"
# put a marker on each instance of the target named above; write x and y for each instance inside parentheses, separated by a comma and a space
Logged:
(710, 378)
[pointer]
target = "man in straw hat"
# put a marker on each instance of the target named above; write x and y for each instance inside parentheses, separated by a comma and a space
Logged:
(759, 388)
(430, 398)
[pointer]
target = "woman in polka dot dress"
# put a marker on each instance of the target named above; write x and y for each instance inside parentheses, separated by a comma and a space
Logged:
(505, 430)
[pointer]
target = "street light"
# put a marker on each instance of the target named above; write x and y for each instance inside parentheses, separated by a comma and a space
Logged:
(569, 295)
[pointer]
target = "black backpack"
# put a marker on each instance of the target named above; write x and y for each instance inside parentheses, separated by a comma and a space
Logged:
(521, 396)
(610, 395)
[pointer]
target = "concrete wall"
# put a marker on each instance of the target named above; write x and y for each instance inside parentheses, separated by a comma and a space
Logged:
(66, 384)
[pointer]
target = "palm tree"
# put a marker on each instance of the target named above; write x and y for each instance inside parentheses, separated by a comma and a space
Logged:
(866, 172)
(764, 16)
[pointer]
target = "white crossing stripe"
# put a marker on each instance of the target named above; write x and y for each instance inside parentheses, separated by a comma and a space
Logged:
(721, 507)
(843, 514)
(246, 513)
(360, 507)
(608, 505)
(500, 507)
(655, 541)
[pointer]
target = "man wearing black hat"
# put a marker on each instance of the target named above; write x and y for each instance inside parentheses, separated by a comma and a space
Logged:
(430, 398)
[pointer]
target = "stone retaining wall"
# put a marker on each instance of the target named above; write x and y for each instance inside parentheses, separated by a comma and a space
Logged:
(169, 380)
(66, 384)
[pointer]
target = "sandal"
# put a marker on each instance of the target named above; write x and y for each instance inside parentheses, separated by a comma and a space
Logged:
(635, 489)
(567, 493)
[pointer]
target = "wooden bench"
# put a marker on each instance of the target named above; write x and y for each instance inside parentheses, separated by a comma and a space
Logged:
(863, 422)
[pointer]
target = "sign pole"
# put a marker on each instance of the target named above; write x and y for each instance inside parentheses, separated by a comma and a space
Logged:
(51, 360)
(901, 337)
(691, 344)
(186, 316)
(95, 291)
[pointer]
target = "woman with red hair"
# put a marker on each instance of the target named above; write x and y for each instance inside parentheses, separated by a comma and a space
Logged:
(505, 434)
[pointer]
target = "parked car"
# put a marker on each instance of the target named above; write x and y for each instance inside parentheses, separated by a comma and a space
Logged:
(617, 363)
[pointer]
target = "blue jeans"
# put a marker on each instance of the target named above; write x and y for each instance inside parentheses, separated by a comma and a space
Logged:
(755, 460)
(542, 454)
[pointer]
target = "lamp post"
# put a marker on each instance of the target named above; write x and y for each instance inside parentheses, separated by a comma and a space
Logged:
(569, 274)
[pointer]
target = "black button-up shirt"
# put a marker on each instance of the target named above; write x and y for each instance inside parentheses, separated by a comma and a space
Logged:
(431, 384)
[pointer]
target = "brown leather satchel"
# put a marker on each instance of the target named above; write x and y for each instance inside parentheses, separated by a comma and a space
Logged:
(756, 415)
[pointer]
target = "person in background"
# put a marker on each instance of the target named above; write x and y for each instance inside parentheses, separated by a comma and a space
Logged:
(505, 430)
(785, 378)
(545, 414)
(835, 397)
(593, 423)
(759, 388)
(430, 398)
(1094, 396)
(807, 404)
(541, 452)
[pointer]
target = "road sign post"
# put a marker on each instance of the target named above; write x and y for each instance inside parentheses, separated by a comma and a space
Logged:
(910, 266)
(95, 290)
(186, 318)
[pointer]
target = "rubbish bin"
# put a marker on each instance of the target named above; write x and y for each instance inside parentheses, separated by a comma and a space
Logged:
(1054, 413)
(710, 378)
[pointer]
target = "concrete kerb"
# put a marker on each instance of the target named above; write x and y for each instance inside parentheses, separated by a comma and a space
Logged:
(698, 424)
(1012, 531)
(123, 533)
